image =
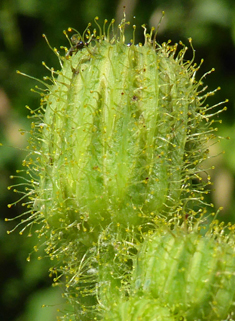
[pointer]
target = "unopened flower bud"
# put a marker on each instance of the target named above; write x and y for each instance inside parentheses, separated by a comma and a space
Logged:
(193, 275)
(122, 134)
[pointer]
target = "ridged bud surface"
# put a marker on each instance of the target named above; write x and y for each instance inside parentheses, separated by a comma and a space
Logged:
(121, 138)
(138, 310)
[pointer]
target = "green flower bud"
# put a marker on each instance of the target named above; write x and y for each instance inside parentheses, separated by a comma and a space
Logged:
(138, 309)
(119, 136)
(191, 274)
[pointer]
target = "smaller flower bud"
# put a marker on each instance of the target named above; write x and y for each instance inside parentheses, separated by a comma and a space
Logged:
(138, 309)
(191, 274)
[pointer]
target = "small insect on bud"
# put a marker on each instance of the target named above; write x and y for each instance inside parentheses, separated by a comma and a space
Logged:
(77, 43)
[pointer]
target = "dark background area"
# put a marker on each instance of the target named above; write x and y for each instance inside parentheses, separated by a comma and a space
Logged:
(26, 286)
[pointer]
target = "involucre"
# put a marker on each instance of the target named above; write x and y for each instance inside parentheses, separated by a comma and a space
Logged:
(120, 135)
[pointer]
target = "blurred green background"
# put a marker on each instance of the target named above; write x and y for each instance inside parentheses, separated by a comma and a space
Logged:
(25, 287)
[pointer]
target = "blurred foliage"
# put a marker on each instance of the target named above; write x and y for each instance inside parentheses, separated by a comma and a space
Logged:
(211, 23)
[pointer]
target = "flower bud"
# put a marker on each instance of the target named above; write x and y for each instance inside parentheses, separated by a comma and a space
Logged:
(121, 137)
(138, 309)
(191, 274)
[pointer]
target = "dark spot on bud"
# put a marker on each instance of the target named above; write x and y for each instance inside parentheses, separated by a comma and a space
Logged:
(75, 71)
(78, 44)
